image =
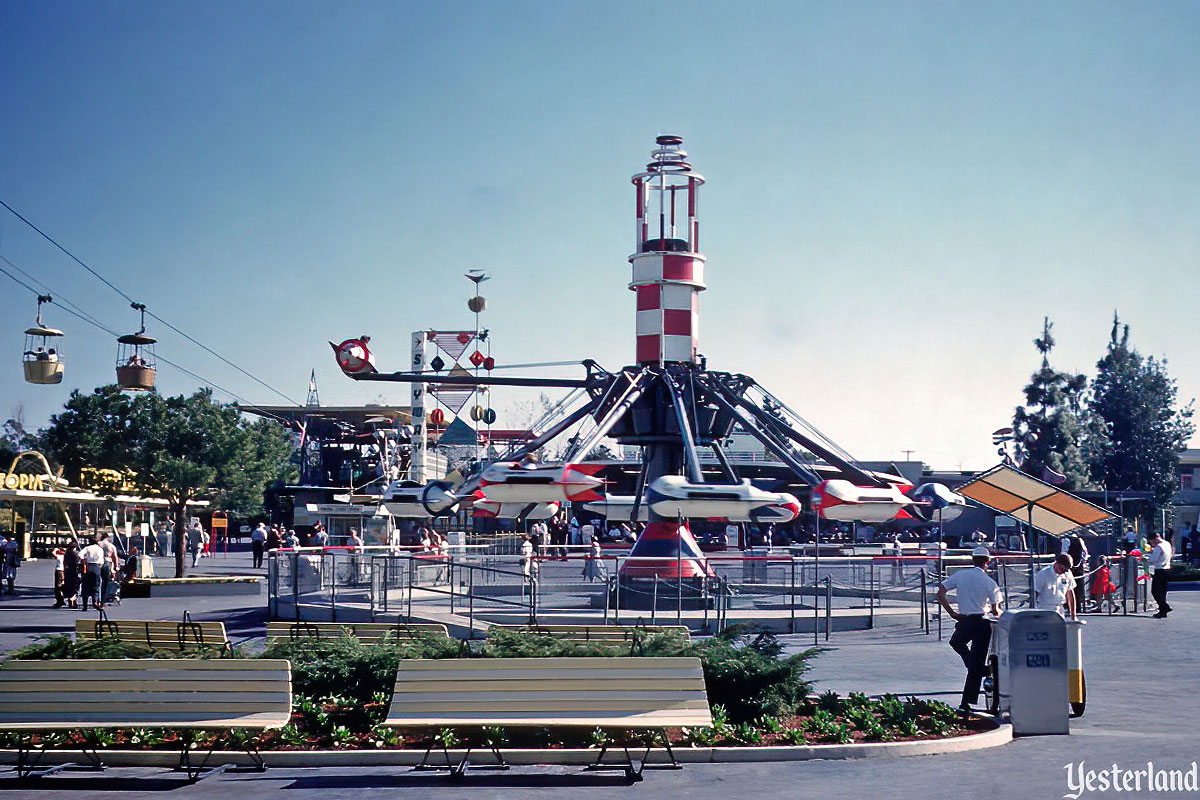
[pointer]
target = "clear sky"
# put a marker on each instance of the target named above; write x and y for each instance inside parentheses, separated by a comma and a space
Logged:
(897, 193)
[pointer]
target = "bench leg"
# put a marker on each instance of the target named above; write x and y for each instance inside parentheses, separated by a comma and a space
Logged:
(197, 772)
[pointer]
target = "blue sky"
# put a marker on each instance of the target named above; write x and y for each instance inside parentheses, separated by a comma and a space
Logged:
(898, 192)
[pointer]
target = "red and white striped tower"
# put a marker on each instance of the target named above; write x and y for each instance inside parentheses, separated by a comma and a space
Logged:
(668, 270)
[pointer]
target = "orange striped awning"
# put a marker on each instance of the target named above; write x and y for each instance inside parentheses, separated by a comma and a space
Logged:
(1034, 502)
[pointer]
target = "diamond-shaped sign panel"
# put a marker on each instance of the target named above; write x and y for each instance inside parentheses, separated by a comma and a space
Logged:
(477, 358)
(437, 365)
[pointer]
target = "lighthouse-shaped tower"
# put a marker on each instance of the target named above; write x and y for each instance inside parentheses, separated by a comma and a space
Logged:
(668, 270)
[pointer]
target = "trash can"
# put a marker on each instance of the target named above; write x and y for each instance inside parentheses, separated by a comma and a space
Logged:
(1031, 671)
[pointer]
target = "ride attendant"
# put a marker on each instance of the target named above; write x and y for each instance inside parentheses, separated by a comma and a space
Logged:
(977, 596)
(1055, 587)
(1159, 560)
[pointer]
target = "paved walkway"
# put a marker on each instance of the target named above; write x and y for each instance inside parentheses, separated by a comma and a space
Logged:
(1143, 680)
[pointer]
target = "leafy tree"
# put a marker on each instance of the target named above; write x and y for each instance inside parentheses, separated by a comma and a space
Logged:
(91, 431)
(179, 448)
(1134, 402)
(1050, 430)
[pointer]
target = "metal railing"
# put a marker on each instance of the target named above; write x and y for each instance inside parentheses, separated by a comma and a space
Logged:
(481, 582)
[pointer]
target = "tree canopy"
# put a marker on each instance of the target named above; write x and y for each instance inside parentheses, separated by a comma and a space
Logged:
(1050, 430)
(181, 448)
(1141, 431)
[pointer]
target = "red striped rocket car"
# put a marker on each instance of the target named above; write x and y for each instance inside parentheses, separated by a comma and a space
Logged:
(841, 500)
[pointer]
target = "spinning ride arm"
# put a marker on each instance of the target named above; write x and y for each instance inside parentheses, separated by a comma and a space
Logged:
(770, 441)
(691, 457)
(857, 474)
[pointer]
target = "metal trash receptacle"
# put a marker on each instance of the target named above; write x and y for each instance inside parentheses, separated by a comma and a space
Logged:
(1031, 656)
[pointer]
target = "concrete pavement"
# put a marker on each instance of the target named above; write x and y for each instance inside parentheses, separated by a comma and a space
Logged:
(1143, 679)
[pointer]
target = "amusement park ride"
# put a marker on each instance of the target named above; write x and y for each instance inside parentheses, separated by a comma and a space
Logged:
(670, 405)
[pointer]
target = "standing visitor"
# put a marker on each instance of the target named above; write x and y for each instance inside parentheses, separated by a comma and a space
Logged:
(320, 538)
(292, 541)
(977, 595)
(528, 562)
(1159, 562)
(258, 542)
(274, 538)
(71, 573)
(9, 561)
(91, 558)
(1077, 550)
(591, 567)
(355, 542)
(110, 567)
(60, 577)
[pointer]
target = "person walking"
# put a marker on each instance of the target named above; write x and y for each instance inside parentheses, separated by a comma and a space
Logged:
(91, 559)
(1054, 587)
(71, 573)
(195, 540)
(1159, 562)
(258, 542)
(978, 596)
(60, 578)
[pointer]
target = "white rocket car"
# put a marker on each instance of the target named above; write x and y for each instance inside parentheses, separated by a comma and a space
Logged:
(673, 495)
(406, 499)
(534, 511)
(516, 482)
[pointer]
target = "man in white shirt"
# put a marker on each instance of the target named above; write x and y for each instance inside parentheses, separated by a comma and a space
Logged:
(91, 559)
(258, 541)
(1054, 586)
(1159, 561)
(978, 596)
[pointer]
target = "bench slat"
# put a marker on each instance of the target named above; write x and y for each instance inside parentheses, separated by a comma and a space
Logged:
(565, 691)
(176, 693)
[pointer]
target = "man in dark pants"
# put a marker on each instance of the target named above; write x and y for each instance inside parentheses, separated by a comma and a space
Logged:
(978, 596)
(1160, 561)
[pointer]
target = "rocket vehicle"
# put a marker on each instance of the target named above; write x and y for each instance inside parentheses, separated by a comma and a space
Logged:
(618, 508)
(934, 502)
(410, 500)
(533, 511)
(516, 482)
(674, 496)
(353, 356)
(842, 501)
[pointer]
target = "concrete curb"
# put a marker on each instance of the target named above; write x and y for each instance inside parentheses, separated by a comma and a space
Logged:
(287, 759)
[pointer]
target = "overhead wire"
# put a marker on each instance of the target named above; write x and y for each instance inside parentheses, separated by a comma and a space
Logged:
(78, 312)
(149, 313)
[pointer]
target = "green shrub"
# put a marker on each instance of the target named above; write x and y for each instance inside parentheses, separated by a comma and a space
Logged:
(348, 668)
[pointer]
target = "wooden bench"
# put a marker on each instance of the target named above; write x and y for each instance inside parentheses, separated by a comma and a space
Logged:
(365, 632)
(185, 695)
(156, 634)
(619, 694)
(614, 635)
